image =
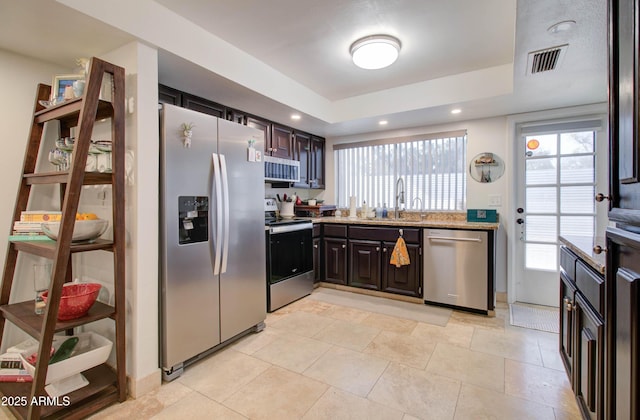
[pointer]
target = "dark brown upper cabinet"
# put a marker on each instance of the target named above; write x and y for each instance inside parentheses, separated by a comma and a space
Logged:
(167, 95)
(301, 153)
(316, 162)
(236, 116)
(281, 142)
(203, 105)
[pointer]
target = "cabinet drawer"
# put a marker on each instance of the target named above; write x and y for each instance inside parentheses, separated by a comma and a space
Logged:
(568, 262)
(336, 231)
(374, 233)
(591, 284)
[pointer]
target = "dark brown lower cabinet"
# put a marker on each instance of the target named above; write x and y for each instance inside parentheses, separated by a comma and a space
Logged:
(582, 339)
(567, 301)
(365, 264)
(317, 269)
(335, 260)
(404, 280)
(589, 359)
(623, 324)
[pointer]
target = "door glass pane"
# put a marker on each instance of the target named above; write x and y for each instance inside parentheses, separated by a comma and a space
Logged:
(541, 171)
(576, 143)
(577, 226)
(541, 256)
(541, 199)
(577, 199)
(544, 145)
(577, 169)
(541, 228)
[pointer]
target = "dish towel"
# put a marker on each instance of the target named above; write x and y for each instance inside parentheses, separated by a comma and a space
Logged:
(400, 256)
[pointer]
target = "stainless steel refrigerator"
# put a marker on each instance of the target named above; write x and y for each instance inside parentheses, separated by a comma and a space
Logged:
(213, 275)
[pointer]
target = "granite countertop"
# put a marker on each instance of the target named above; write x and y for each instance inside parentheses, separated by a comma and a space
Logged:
(582, 246)
(451, 220)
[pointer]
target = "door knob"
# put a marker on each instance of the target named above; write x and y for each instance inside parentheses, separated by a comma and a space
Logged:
(520, 221)
(598, 249)
(601, 197)
(520, 210)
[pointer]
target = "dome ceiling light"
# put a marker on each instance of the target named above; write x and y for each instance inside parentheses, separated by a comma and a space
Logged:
(375, 51)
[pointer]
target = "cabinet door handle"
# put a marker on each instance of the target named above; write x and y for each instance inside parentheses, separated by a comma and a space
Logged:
(568, 305)
(343, 246)
(384, 249)
(377, 248)
(315, 246)
(274, 150)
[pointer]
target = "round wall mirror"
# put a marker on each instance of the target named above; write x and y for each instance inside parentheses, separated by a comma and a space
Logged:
(486, 167)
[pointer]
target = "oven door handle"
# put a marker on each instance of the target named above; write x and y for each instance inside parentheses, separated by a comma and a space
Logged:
(225, 213)
(217, 229)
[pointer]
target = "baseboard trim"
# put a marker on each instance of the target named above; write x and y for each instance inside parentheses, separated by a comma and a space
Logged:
(142, 386)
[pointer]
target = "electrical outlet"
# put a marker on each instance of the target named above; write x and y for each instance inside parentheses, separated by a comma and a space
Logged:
(495, 200)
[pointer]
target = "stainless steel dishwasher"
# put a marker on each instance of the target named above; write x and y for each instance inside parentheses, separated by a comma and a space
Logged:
(456, 268)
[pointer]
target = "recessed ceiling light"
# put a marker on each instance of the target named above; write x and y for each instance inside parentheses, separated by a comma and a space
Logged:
(295, 116)
(383, 122)
(564, 26)
(375, 51)
(456, 111)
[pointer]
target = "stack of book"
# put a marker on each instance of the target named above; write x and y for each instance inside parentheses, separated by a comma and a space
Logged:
(29, 227)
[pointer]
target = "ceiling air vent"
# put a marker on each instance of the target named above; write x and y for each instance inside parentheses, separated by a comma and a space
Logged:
(545, 60)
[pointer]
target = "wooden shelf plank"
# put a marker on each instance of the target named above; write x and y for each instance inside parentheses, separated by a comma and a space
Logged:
(22, 314)
(47, 249)
(68, 112)
(62, 177)
(100, 392)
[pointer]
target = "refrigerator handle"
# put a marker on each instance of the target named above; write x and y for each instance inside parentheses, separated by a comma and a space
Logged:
(225, 213)
(217, 242)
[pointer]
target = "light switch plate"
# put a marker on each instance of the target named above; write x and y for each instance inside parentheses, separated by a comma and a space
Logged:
(495, 200)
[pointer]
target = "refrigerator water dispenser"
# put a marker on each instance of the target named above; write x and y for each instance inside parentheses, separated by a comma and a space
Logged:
(193, 219)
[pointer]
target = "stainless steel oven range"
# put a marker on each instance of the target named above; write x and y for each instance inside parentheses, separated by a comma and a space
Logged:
(289, 258)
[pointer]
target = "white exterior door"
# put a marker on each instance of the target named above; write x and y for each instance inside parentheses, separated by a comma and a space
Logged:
(555, 196)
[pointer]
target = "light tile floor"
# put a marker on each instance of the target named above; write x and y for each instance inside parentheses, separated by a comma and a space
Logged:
(317, 360)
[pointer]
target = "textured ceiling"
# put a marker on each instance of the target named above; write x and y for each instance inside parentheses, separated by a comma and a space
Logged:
(275, 57)
(308, 40)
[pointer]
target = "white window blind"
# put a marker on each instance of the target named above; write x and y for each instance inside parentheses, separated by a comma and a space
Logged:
(433, 169)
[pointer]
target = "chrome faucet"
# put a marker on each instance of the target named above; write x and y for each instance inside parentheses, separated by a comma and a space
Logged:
(399, 196)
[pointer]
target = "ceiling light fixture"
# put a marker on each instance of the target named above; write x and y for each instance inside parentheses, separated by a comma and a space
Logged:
(456, 111)
(375, 51)
(564, 26)
(295, 116)
(383, 122)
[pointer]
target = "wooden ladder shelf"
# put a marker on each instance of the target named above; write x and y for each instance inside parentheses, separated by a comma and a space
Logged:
(106, 385)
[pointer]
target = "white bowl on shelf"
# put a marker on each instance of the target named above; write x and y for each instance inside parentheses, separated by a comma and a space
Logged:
(92, 350)
(83, 230)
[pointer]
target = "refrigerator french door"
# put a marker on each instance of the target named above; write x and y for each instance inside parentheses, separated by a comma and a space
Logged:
(212, 234)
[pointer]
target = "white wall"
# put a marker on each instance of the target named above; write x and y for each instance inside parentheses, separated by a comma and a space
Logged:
(141, 207)
(22, 74)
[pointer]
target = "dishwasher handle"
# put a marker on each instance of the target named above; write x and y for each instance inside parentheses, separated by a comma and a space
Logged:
(452, 238)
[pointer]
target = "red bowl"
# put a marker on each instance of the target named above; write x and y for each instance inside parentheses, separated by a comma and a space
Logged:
(77, 299)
